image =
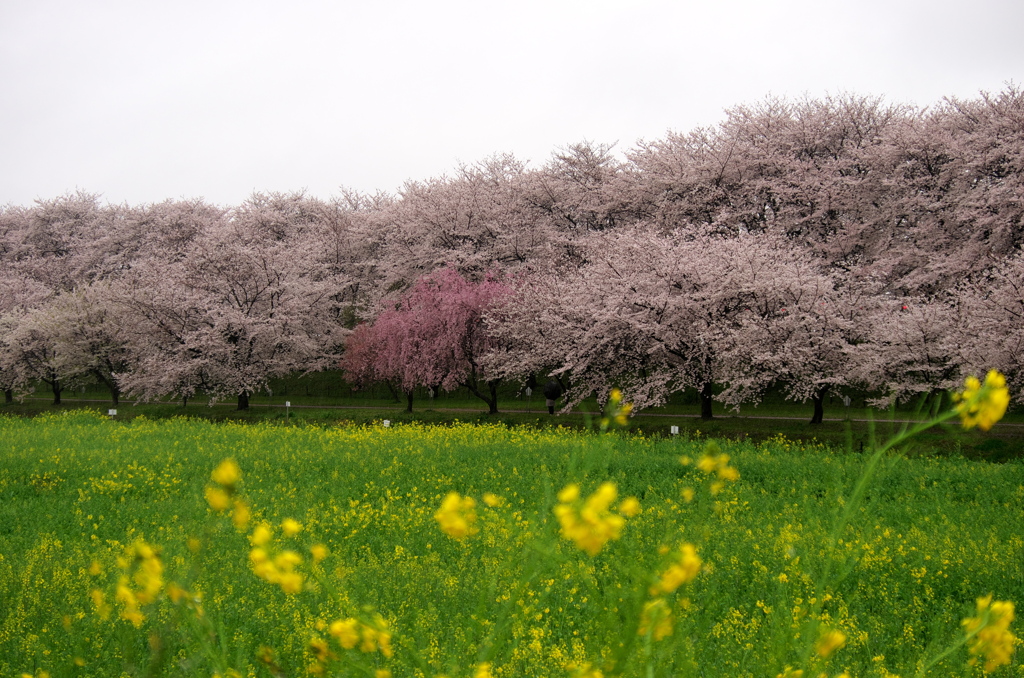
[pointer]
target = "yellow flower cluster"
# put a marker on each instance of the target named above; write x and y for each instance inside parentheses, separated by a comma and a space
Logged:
(141, 582)
(586, 671)
(656, 619)
(352, 634)
(682, 570)
(221, 495)
(618, 411)
(715, 462)
(982, 404)
(457, 516)
(989, 633)
(828, 642)
(591, 525)
(276, 568)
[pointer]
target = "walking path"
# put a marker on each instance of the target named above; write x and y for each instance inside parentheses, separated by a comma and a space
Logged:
(532, 411)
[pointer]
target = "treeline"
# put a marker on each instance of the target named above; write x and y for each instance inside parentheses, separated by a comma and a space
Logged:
(805, 245)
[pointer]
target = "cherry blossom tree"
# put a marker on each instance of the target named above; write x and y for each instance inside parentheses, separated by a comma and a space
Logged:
(991, 333)
(797, 330)
(472, 222)
(246, 304)
(434, 335)
(33, 354)
(19, 296)
(644, 317)
(87, 328)
(912, 349)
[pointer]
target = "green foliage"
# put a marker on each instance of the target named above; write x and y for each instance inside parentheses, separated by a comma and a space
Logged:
(931, 536)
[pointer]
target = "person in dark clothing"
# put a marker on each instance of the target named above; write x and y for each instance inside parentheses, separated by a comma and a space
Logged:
(552, 392)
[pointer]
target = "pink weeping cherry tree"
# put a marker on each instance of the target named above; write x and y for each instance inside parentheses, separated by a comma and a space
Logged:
(434, 335)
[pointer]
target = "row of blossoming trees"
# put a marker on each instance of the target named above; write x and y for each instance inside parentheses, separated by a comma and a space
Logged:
(806, 246)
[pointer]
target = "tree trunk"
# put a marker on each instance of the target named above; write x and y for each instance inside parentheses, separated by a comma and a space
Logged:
(492, 388)
(243, 401)
(111, 384)
(706, 395)
(56, 388)
(8, 395)
(184, 401)
(819, 405)
(408, 400)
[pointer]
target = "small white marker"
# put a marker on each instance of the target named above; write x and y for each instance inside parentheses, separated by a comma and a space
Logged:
(112, 413)
(387, 423)
(675, 430)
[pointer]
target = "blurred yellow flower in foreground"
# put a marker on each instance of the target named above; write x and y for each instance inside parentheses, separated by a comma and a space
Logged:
(684, 569)
(989, 633)
(290, 527)
(829, 642)
(217, 498)
(457, 516)
(227, 473)
(591, 526)
(982, 404)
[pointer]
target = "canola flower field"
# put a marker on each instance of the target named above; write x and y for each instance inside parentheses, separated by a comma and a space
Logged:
(186, 548)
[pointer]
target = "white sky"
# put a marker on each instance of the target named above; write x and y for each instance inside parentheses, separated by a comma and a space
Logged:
(141, 101)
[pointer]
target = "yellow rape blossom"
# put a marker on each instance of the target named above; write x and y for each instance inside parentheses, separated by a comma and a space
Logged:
(715, 462)
(682, 570)
(457, 516)
(989, 633)
(261, 535)
(630, 507)
(483, 670)
(346, 632)
(217, 498)
(591, 526)
(373, 637)
(829, 642)
(656, 619)
(227, 473)
(140, 583)
(290, 527)
(586, 671)
(318, 551)
(982, 404)
(240, 515)
(618, 412)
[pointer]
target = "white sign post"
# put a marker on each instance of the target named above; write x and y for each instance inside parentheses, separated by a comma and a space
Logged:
(675, 430)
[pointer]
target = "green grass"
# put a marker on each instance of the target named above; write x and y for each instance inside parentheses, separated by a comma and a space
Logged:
(934, 534)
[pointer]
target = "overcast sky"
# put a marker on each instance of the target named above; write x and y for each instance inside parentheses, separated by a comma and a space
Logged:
(144, 101)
